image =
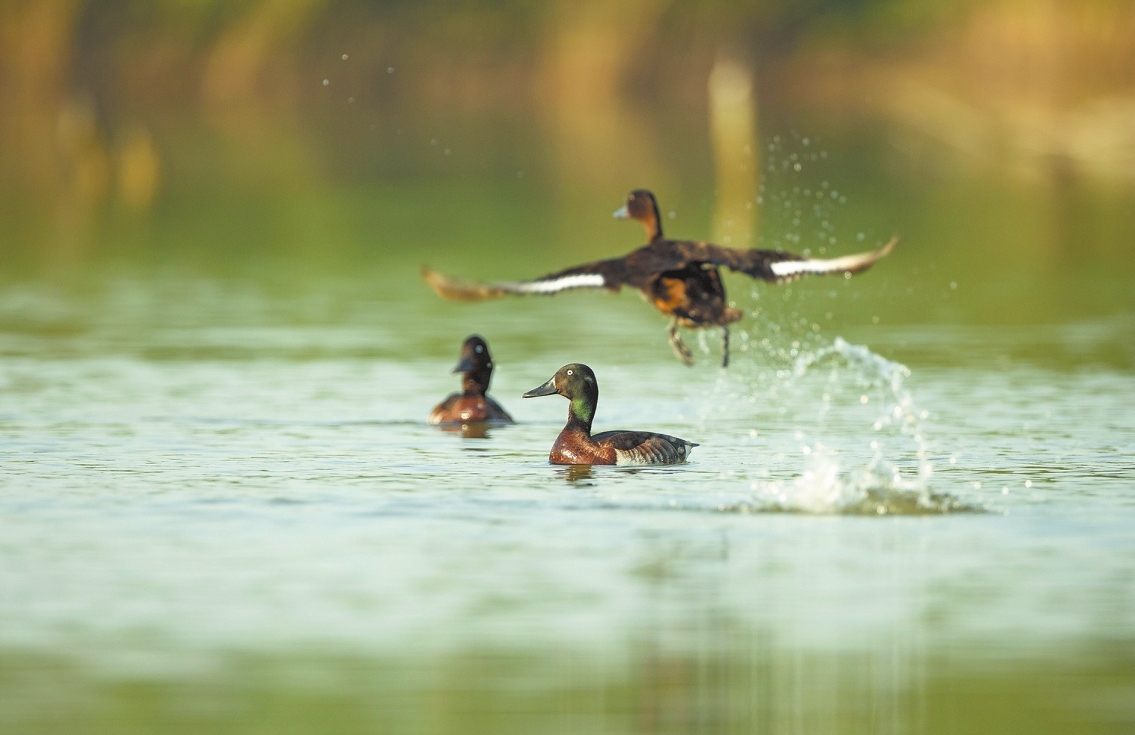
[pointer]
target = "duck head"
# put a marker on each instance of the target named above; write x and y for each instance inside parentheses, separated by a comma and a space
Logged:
(641, 206)
(476, 364)
(575, 382)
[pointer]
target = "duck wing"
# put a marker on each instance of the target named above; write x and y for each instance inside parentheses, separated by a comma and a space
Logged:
(768, 265)
(644, 447)
(641, 267)
(607, 274)
(778, 266)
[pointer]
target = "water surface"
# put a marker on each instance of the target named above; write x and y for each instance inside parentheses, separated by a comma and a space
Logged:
(222, 509)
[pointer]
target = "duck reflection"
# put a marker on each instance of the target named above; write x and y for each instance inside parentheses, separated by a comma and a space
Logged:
(577, 473)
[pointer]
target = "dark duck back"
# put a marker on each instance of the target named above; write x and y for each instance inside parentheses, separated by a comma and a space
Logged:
(679, 277)
(577, 445)
(471, 405)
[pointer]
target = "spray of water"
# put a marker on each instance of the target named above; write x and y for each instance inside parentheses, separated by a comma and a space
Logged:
(880, 487)
(840, 481)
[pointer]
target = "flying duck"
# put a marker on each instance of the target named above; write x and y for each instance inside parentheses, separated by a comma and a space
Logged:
(679, 277)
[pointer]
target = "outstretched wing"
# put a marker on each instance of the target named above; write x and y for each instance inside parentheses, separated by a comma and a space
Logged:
(641, 267)
(608, 274)
(778, 267)
(786, 270)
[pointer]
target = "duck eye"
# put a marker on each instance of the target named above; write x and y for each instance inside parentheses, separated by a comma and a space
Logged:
(569, 372)
(479, 349)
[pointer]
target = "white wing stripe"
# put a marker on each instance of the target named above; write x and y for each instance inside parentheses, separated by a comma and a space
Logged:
(834, 265)
(580, 280)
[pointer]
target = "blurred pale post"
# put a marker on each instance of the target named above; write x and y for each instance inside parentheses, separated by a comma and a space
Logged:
(733, 128)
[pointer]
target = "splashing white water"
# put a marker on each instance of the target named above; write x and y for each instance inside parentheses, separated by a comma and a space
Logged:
(828, 483)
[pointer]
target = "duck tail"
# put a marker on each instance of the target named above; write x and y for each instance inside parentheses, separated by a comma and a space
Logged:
(457, 289)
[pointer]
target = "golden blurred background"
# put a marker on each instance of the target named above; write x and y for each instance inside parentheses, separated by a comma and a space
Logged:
(111, 110)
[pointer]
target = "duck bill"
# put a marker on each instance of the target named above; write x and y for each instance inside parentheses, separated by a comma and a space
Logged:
(547, 389)
(621, 213)
(464, 366)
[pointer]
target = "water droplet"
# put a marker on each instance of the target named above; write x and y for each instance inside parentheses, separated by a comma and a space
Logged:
(1028, 483)
(345, 57)
(953, 285)
(326, 82)
(864, 399)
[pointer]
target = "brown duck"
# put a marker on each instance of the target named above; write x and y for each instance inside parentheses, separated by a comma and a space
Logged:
(679, 277)
(471, 405)
(577, 445)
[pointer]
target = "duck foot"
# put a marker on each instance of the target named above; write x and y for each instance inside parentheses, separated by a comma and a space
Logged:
(680, 350)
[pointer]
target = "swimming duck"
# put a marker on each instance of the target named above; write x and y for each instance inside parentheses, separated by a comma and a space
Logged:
(471, 404)
(679, 277)
(576, 444)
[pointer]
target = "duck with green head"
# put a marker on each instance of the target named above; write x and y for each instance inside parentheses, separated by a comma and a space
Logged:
(577, 445)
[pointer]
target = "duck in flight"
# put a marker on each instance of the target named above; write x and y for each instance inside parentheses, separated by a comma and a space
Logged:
(471, 405)
(679, 277)
(577, 445)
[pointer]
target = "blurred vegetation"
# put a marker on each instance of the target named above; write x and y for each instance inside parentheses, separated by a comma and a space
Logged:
(744, 684)
(281, 126)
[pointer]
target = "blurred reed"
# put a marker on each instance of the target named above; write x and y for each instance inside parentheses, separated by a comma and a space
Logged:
(733, 129)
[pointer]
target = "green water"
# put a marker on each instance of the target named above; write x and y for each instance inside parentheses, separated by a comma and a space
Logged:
(911, 509)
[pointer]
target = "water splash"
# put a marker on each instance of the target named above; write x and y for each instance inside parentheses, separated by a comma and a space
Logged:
(889, 378)
(831, 481)
(826, 487)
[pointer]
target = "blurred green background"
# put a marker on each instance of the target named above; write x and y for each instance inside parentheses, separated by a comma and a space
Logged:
(279, 140)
